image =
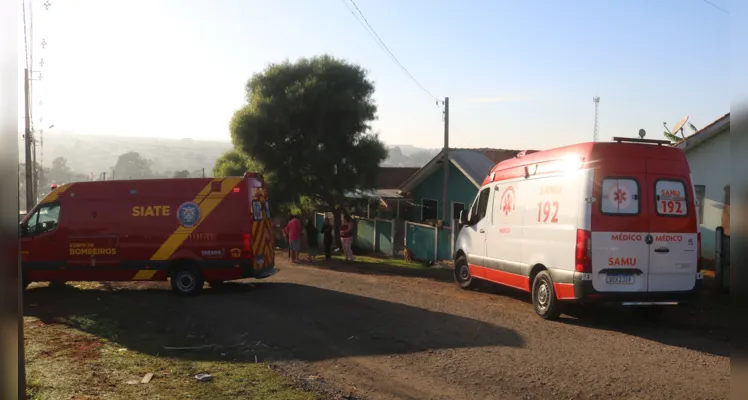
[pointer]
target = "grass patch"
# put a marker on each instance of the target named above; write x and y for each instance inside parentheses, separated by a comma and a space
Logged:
(62, 362)
(392, 262)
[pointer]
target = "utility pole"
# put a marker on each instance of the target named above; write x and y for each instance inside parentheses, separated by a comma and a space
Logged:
(445, 207)
(30, 196)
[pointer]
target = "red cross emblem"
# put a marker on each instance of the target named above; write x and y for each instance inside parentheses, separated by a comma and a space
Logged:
(507, 201)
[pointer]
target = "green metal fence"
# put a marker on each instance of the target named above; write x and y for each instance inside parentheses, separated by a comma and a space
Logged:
(429, 242)
(365, 236)
(420, 240)
(385, 237)
(378, 236)
(444, 243)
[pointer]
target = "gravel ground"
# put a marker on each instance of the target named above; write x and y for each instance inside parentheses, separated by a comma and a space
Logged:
(367, 333)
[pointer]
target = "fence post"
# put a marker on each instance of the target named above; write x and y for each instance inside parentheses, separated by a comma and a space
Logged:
(405, 235)
(392, 237)
(436, 243)
(452, 238)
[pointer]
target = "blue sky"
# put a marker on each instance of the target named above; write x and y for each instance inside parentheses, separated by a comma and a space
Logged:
(519, 73)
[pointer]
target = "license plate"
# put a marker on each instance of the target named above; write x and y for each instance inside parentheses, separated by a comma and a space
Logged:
(619, 279)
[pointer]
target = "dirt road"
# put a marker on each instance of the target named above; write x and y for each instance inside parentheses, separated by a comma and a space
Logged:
(376, 335)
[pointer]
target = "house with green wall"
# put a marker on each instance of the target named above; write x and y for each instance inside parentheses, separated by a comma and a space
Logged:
(467, 170)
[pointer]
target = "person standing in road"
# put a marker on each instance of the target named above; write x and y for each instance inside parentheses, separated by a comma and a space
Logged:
(294, 237)
(327, 230)
(312, 240)
(346, 238)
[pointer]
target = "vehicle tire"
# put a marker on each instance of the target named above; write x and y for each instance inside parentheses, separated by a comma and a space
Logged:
(544, 299)
(186, 280)
(462, 274)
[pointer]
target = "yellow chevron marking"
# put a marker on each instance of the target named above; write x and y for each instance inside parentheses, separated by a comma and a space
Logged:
(56, 193)
(208, 201)
(144, 275)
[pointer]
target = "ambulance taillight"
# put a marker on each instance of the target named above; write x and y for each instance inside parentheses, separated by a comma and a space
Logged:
(584, 251)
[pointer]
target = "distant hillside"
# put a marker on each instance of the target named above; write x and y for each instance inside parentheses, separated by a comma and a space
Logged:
(94, 154)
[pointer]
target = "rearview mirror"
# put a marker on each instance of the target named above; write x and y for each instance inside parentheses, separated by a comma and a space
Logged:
(463, 217)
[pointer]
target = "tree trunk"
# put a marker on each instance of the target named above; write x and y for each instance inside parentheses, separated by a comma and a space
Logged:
(336, 226)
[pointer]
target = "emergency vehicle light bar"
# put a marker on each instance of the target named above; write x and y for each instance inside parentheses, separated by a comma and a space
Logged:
(635, 140)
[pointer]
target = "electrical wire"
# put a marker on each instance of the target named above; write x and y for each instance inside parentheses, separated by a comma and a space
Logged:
(373, 33)
(716, 6)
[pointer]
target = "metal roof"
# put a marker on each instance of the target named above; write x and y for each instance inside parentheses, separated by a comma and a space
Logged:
(473, 163)
(721, 125)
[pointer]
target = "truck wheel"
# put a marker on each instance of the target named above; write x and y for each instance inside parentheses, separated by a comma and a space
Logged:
(187, 281)
(462, 274)
(544, 297)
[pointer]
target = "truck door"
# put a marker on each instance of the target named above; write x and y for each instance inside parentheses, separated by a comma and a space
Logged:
(504, 234)
(674, 235)
(475, 232)
(620, 227)
(41, 242)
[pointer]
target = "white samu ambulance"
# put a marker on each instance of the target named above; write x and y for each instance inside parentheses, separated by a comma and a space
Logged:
(588, 223)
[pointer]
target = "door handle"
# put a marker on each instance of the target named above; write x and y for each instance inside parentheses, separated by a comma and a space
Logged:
(482, 231)
(662, 250)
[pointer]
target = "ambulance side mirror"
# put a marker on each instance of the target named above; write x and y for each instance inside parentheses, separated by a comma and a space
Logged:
(463, 217)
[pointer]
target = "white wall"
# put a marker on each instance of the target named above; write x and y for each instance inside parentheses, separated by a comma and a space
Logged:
(710, 166)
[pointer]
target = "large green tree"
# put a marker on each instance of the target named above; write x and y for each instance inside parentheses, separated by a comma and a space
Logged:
(132, 165)
(308, 123)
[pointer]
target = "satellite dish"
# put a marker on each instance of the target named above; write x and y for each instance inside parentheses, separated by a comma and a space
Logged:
(679, 126)
(642, 133)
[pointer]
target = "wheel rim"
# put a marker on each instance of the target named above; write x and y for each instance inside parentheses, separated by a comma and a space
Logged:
(185, 282)
(543, 296)
(463, 274)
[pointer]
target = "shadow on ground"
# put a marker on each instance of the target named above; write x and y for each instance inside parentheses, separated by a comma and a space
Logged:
(270, 321)
(701, 326)
(439, 274)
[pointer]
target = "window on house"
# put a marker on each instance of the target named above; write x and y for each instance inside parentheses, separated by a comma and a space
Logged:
(456, 209)
(429, 209)
(620, 196)
(700, 195)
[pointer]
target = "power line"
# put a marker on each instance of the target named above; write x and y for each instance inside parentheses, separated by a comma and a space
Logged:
(717, 7)
(384, 47)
